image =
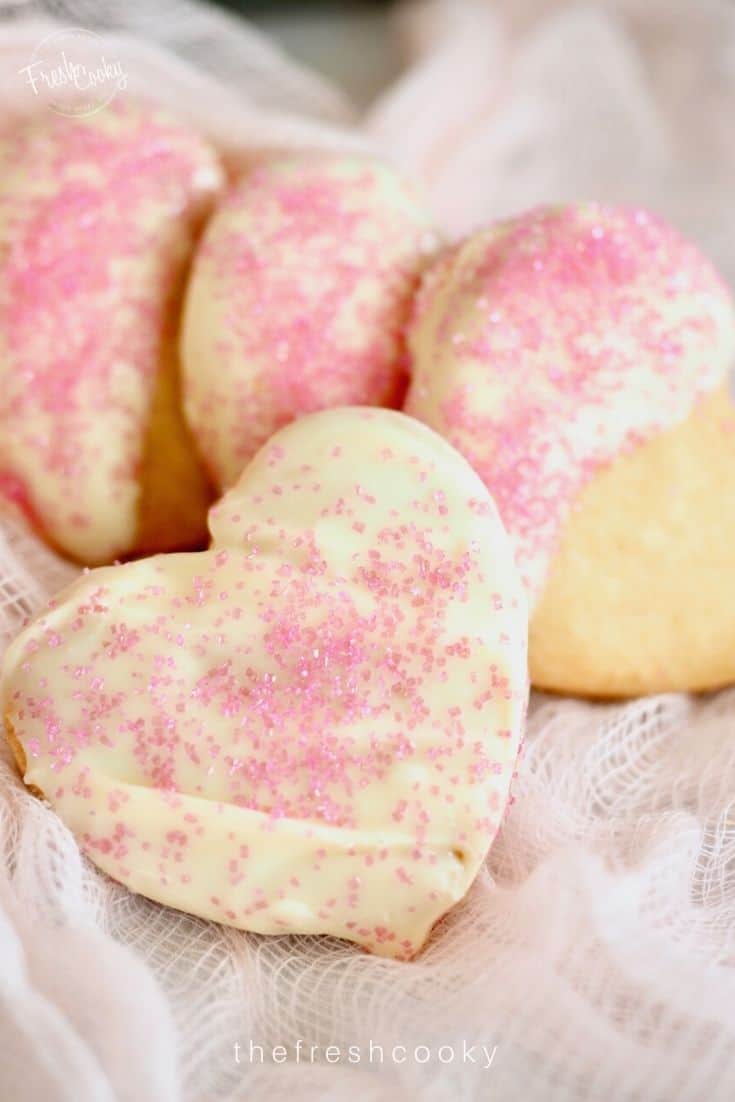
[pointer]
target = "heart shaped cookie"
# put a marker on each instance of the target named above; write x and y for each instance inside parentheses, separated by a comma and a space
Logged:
(311, 727)
(97, 222)
(566, 354)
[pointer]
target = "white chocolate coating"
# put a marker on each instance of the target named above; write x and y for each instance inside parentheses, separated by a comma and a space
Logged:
(312, 727)
(549, 344)
(297, 301)
(97, 217)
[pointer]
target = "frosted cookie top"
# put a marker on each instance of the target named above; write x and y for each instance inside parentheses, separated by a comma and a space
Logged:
(311, 727)
(547, 345)
(298, 299)
(96, 223)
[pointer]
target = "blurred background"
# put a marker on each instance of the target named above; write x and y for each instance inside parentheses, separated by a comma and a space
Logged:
(349, 42)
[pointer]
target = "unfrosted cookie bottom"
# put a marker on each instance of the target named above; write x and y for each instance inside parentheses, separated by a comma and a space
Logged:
(640, 597)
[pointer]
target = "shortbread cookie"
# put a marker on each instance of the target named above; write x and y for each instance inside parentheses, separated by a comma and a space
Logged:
(97, 221)
(554, 350)
(311, 727)
(298, 299)
(641, 590)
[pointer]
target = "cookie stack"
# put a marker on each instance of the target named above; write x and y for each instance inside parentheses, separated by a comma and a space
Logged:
(304, 713)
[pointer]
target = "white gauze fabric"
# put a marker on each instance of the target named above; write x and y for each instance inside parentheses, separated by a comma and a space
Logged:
(594, 958)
